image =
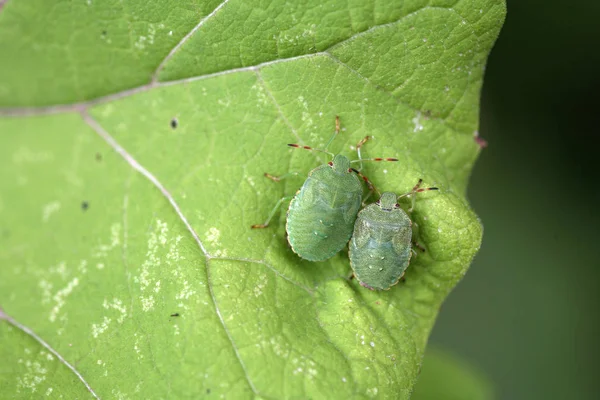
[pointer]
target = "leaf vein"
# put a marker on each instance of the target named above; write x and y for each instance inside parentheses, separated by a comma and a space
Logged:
(174, 50)
(32, 334)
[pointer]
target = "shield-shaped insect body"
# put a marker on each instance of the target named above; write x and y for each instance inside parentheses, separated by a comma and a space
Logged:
(380, 247)
(381, 244)
(321, 216)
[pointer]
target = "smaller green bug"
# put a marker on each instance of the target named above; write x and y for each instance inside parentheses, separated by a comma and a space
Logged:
(321, 215)
(380, 248)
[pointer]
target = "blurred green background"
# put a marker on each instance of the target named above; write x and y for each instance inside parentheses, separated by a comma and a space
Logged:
(526, 313)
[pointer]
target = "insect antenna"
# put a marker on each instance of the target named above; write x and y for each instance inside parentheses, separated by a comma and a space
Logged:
(375, 159)
(299, 146)
(335, 133)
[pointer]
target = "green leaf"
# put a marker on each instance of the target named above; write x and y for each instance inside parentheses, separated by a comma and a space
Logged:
(445, 376)
(125, 238)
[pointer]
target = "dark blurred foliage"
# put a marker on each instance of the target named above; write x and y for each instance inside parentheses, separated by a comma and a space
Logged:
(527, 311)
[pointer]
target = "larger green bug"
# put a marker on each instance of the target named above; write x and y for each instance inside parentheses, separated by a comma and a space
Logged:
(321, 215)
(381, 245)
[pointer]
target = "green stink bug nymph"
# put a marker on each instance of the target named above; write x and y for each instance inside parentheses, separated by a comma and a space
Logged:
(321, 215)
(381, 245)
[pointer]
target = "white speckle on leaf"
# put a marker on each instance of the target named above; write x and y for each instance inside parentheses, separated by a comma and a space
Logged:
(417, 121)
(173, 254)
(279, 347)
(186, 292)
(60, 269)
(140, 43)
(262, 282)
(225, 103)
(60, 297)
(440, 230)
(118, 305)
(147, 303)
(344, 379)
(46, 290)
(147, 39)
(115, 235)
(50, 209)
(212, 236)
(102, 250)
(372, 344)
(136, 347)
(49, 392)
(98, 329)
(100, 265)
(372, 392)
(35, 373)
(261, 96)
(82, 266)
(158, 239)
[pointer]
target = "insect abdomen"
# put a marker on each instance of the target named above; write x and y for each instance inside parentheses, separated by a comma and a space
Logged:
(376, 257)
(321, 219)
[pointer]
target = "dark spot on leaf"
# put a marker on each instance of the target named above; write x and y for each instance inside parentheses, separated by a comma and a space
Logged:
(207, 391)
(104, 33)
(84, 205)
(175, 314)
(174, 123)
(98, 157)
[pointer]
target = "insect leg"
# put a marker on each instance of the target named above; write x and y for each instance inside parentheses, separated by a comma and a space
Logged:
(418, 246)
(358, 146)
(416, 189)
(335, 133)
(273, 211)
(280, 177)
(372, 187)
(415, 233)
(360, 159)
